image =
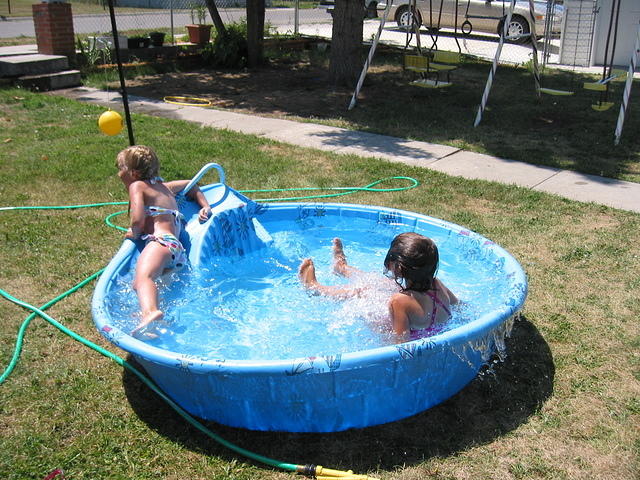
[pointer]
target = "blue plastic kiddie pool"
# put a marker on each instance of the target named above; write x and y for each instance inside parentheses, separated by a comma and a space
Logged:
(328, 385)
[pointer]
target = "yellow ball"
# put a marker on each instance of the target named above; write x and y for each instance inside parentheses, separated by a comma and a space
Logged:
(110, 123)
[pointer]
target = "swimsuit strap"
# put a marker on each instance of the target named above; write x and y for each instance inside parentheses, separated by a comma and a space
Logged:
(432, 329)
(154, 211)
(437, 303)
(155, 180)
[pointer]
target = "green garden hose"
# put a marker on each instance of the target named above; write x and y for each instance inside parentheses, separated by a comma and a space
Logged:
(343, 190)
(312, 470)
(120, 361)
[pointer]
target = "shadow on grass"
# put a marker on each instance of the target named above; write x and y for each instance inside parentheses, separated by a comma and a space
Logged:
(492, 405)
(562, 132)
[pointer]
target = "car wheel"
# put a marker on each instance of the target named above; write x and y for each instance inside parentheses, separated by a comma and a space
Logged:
(404, 18)
(517, 26)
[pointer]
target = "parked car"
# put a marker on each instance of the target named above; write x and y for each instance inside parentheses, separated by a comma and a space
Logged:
(476, 16)
(370, 7)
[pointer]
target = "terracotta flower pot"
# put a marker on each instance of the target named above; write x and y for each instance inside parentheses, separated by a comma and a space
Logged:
(199, 34)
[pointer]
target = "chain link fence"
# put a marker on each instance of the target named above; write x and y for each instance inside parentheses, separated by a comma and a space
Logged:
(139, 17)
(314, 18)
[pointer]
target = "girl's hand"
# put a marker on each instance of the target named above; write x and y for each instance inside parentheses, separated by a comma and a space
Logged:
(204, 214)
(130, 234)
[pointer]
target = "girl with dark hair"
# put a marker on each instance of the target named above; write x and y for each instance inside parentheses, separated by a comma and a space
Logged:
(422, 304)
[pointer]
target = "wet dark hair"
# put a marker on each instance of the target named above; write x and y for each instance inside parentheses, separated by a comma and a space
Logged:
(413, 258)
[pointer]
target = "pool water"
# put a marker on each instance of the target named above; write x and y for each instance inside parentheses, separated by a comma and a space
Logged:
(254, 307)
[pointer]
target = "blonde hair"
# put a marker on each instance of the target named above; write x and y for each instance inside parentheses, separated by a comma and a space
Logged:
(141, 159)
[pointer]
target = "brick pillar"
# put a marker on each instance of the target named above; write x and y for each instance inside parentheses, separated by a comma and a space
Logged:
(54, 28)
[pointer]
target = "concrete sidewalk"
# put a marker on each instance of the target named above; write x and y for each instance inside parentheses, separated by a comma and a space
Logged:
(449, 160)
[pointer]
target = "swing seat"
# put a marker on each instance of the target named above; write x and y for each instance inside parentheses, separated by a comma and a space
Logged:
(416, 63)
(423, 65)
(440, 56)
(595, 86)
(427, 83)
(444, 61)
(618, 75)
(551, 91)
(602, 106)
(601, 85)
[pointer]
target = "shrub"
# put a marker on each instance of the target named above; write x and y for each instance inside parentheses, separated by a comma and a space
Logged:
(228, 50)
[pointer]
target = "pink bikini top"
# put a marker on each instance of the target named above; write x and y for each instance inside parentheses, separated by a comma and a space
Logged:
(432, 329)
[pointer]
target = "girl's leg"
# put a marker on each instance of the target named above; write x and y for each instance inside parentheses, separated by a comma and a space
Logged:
(307, 275)
(340, 265)
(150, 266)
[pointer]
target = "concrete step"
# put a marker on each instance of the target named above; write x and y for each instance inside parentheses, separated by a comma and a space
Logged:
(50, 81)
(36, 64)
(13, 50)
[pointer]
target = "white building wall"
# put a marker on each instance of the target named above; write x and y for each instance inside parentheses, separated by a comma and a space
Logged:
(585, 30)
(628, 21)
(577, 32)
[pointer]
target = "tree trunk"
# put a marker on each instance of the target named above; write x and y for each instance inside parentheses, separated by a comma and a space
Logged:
(346, 42)
(255, 32)
(215, 16)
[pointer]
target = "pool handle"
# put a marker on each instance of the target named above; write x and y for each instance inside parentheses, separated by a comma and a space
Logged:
(201, 173)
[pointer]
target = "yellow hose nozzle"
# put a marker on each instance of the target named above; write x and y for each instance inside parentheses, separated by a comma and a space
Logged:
(329, 474)
(321, 473)
(346, 477)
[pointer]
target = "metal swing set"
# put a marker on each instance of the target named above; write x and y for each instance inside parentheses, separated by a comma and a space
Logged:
(439, 62)
(608, 75)
(431, 65)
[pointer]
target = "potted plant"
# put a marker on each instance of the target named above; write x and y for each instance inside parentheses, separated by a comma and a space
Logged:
(138, 42)
(200, 32)
(157, 38)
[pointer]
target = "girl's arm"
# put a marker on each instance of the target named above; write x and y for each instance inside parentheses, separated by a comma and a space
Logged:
(194, 194)
(136, 210)
(399, 316)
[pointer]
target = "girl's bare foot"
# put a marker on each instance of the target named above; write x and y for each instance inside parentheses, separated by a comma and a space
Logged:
(307, 273)
(340, 266)
(142, 330)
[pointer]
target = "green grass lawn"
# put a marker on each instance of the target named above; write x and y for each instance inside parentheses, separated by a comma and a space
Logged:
(565, 404)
